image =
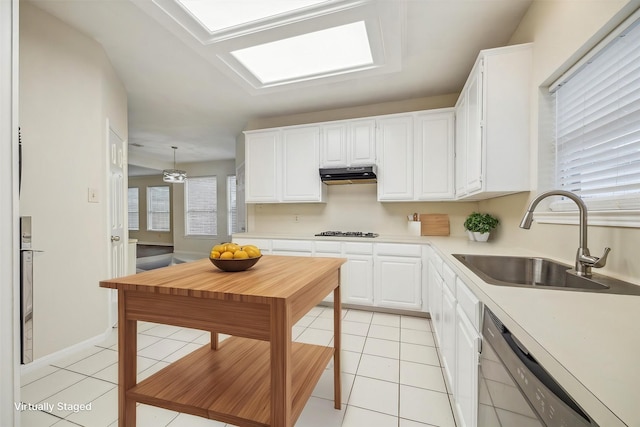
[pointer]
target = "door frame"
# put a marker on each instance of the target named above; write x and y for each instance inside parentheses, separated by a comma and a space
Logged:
(113, 296)
(9, 215)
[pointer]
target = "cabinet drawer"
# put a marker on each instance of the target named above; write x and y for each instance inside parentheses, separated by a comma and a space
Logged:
(469, 303)
(449, 278)
(327, 247)
(398, 249)
(293, 245)
(358, 248)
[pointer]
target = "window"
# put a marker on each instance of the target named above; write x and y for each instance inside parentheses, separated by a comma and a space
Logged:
(201, 201)
(598, 127)
(232, 216)
(158, 208)
(133, 200)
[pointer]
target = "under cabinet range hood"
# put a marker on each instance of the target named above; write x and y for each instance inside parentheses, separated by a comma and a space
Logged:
(348, 175)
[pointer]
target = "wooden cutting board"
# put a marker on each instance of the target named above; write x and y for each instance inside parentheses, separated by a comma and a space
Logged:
(434, 225)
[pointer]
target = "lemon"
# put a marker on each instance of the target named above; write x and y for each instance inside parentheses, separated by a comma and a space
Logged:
(232, 247)
(251, 251)
(240, 255)
(214, 254)
(226, 255)
(218, 248)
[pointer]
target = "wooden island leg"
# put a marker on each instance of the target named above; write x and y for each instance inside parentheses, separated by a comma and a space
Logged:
(281, 365)
(337, 345)
(215, 341)
(127, 361)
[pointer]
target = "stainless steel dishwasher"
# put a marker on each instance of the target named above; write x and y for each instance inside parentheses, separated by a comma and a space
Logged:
(515, 390)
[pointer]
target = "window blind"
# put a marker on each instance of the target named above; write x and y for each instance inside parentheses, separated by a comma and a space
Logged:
(598, 126)
(133, 201)
(201, 202)
(158, 209)
(231, 205)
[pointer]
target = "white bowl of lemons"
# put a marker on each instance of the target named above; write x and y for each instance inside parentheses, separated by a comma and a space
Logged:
(233, 257)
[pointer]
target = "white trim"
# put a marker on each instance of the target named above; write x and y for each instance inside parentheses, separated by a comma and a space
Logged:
(9, 214)
(627, 218)
(52, 358)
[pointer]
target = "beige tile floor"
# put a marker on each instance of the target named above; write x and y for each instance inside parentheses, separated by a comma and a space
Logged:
(391, 376)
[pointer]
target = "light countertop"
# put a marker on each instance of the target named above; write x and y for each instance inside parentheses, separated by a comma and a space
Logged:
(589, 342)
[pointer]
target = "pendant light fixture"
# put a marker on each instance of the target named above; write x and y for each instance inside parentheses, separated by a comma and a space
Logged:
(174, 175)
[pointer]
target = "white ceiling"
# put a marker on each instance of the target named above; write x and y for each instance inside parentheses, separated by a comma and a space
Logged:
(180, 92)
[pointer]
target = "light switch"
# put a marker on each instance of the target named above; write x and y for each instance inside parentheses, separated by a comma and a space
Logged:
(93, 195)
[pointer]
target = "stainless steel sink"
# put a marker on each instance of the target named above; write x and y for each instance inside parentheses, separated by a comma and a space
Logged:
(540, 273)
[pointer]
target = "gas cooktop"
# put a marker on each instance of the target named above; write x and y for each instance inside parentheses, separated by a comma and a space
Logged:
(346, 234)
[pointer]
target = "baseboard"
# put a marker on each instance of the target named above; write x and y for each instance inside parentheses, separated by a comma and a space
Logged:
(51, 359)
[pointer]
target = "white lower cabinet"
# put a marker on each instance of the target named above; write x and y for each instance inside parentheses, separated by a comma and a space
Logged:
(398, 282)
(448, 343)
(455, 313)
(466, 380)
(356, 278)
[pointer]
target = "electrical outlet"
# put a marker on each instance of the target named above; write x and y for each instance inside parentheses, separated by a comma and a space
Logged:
(296, 218)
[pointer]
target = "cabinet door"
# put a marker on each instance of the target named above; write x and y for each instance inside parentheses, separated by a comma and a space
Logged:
(333, 149)
(398, 282)
(262, 167)
(467, 353)
(474, 131)
(434, 158)
(356, 277)
(448, 344)
(300, 163)
(461, 146)
(362, 142)
(395, 158)
(435, 301)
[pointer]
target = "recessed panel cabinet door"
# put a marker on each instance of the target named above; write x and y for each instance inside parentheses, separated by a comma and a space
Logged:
(434, 156)
(362, 142)
(301, 160)
(356, 278)
(398, 282)
(262, 167)
(395, 158)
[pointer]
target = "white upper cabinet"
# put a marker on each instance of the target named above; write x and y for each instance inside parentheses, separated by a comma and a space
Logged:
(263, 163)
(282, 165)
(348, 143)
(395, 158)
(492, 125)
(434, 155)
(416, 156)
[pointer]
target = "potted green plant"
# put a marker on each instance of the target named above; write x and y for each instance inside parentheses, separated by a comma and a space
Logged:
(479, 225)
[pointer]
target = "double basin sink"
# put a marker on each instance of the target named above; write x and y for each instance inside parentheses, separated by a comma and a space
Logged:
(542, 273)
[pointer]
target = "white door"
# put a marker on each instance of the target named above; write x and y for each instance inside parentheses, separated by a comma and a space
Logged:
(117, 217)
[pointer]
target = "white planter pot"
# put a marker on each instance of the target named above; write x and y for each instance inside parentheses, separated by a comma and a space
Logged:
(471, 236)
(481, 237)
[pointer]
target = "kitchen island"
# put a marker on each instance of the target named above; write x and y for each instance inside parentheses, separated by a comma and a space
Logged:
(258, 377)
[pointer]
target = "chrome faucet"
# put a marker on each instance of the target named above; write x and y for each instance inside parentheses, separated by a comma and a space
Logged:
(584, 260)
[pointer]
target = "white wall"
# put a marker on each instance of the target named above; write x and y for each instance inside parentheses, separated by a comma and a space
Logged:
(68, 89)
(562, 31)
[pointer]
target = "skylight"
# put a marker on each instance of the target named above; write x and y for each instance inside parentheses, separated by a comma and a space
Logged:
(218, 15)
(331, 51)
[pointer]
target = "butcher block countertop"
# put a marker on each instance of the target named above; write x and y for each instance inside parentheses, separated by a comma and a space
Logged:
(256, 378)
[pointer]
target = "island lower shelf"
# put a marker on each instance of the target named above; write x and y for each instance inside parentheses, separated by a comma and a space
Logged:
(232, 384)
